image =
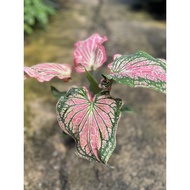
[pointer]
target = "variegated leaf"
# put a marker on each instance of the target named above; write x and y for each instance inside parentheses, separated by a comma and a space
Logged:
(90, 54)
(46, 71)
(139, 70)
(91, 121)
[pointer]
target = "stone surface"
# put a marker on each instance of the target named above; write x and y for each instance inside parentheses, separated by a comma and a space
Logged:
(139, 159)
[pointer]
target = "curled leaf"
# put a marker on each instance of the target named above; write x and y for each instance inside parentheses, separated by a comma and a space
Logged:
(105, 83)
(91, 121)
(139, 70)
(46, 71)
(90, 54)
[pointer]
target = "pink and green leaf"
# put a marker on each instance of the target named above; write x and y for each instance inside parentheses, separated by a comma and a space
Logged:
(139, 70)
(91, 121)
(46, 71)
(90, 54)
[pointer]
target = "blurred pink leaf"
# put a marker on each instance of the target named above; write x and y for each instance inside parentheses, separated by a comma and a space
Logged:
(91, 121)
(90, 54)
(46, 71)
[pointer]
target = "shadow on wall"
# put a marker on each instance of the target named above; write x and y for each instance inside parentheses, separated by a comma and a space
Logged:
(157, 8)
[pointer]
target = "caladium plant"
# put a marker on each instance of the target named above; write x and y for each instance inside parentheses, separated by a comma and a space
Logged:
(90, 116)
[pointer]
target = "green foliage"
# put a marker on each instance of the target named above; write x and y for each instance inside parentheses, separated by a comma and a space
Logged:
(36, 12)
(126, 108)
(93, 83)
(56, 93)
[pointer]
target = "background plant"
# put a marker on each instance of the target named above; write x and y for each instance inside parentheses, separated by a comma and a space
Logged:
(37, 12)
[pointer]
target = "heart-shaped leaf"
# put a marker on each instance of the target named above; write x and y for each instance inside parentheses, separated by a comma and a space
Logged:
(139, 70)
(91, 121)
(46, 71)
